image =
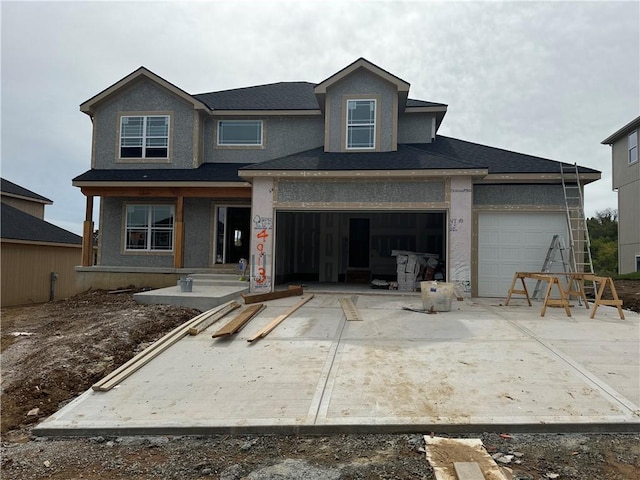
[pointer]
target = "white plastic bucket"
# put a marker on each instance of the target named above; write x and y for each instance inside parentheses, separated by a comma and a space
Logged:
(437, 296)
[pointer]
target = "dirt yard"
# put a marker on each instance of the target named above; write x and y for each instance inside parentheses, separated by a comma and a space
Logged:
(53, 352)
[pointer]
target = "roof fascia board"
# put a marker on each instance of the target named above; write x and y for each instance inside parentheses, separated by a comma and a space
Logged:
(88, 106)
(425, 109)
(30, 199)
(401, 85)
(535, 178)
(39, 242)
(635, 123)
(263, 113)
(169, 183)
(361, 173)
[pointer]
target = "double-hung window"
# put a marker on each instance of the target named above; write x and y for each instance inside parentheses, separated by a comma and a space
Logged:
(240, 133)
(144, 136)
(633, 147)
(361, 124)
(149, 228)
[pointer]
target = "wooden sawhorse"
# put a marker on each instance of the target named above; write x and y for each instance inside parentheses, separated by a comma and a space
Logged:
(551, 279)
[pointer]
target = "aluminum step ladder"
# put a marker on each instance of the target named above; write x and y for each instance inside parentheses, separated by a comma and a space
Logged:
(579, 240)
(557, 247)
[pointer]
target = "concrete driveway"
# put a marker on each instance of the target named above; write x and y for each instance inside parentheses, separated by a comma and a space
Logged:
(481, 366)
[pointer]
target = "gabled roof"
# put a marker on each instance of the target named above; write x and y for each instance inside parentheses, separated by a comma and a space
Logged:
(18, 225)
(10, 189)
(445, 153)
(401, 85)
(274, 96)
(632, 125)
(89, 105)
(207, 172)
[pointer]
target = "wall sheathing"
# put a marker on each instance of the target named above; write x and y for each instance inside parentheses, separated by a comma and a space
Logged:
(262, 233)
(460, 229)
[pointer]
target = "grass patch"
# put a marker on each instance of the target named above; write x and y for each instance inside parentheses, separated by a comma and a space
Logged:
(629, 276)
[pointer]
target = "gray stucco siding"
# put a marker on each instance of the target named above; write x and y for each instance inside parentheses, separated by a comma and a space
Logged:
(198, 232)
(415, 128)
(282, 136)
(144, 97)
(361, 192)
(518, 195)
(361, 83)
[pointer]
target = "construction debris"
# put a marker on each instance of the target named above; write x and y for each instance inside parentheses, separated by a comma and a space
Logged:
(211, 317)
(279, 319)
(292, 291)
(350, 310)
(444, 453)
(235, 325)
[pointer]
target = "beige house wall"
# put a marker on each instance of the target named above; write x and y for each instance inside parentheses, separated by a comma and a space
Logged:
(32, 208)
(26, 272)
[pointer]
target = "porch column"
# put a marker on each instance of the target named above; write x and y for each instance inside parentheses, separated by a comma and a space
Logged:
(262, 221)
(460, 228)
(87, 234)
(178, 248)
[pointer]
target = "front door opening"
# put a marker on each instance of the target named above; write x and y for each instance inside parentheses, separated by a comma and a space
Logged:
(232, 236)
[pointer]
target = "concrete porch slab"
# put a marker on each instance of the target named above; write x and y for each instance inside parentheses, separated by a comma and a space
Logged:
(480, 366)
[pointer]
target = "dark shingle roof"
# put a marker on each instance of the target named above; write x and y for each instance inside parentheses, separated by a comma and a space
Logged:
(407, 157)
(422, 103)
(11, 188)
(207, 172)
(497, 160)
(18, 225)
(274, 96)
(444, 153)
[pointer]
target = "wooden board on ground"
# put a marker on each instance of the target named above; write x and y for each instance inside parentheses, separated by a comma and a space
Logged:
(292, 291)
(350, 310)
(279, 319)
(148, 354)
(468, 471)
(236, 324)
(443, 453)
(213, 317)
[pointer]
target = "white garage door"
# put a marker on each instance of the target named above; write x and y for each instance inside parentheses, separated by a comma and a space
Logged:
(512, 242)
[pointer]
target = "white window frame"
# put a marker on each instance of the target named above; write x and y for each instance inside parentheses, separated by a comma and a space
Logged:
(633, 147)
(146, 232)
(371, 124)
(144, 138)
(220, 141)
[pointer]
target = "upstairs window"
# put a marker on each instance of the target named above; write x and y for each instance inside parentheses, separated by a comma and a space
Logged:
(361, 124)
(149, 228)
(240, 133)
(633, 147)
(144, 136)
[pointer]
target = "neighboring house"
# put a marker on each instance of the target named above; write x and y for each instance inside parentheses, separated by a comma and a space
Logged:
(626, 180)
(38, 258)
(309, 182)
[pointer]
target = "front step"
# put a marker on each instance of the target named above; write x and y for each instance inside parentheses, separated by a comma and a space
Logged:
(217, 279)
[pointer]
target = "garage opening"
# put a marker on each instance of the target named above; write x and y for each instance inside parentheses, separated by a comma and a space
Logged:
(353, 247)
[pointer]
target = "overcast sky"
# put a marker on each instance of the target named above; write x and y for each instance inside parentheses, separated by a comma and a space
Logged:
(551, 79)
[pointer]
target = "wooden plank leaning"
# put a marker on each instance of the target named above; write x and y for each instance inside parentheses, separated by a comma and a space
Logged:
(237, 323)
(279, 319)
(292, 291)
(214, 316)
(144, 357)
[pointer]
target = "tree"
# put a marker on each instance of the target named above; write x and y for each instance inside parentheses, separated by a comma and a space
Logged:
(603, 231)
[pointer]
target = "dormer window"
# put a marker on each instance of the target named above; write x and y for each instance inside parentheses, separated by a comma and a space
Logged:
(144, 136)
(633, 147)
(361, 124)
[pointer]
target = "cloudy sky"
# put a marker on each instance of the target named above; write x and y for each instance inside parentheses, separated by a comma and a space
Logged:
(551, 79)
